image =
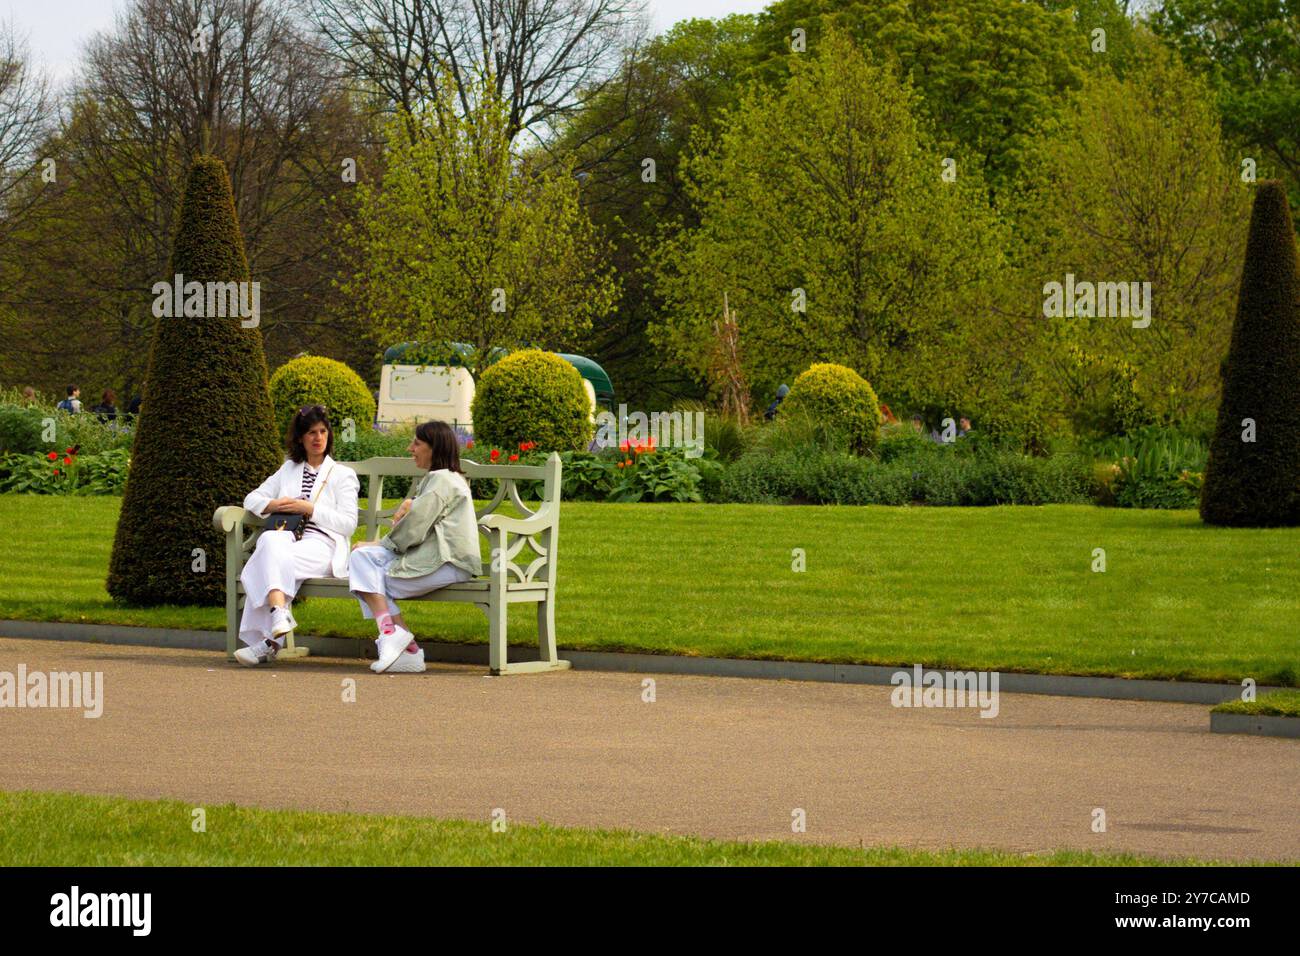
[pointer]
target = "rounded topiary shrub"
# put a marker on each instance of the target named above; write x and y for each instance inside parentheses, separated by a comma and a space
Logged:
(532, 396)
(314, 380)
(840, 396)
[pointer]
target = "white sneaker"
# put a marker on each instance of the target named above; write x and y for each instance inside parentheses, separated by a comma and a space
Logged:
(411, 661)
(263, 652)
(282, 621)
(391, 647)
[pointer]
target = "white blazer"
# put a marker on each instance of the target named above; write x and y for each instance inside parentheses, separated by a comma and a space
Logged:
(334, 499)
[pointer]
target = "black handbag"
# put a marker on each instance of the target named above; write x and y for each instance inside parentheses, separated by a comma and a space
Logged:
(297, 524)
(286, 522)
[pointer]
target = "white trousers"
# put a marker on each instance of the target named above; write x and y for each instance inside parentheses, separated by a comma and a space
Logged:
(279, 563)
(368, 573)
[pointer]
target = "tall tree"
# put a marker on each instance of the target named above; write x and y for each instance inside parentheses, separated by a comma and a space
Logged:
(1253, 475)
(627, 147)
(1249, 51)
(168, 78)
(835, 235)
(987, 72)
(1132, 184)
(542, 58)
(467, 241)
(206, 433)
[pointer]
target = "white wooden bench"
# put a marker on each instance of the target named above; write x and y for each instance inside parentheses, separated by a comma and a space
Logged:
(501, 583)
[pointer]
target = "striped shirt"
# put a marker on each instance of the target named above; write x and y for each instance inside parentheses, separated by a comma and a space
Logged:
(309, 476)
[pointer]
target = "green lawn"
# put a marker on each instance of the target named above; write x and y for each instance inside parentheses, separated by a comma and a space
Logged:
(1008, 589)
(1281, 703)
(64, 829)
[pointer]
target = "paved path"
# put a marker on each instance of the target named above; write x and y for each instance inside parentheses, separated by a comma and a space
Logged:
(718, 757)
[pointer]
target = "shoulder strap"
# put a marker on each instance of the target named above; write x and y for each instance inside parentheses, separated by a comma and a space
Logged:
(315, 492)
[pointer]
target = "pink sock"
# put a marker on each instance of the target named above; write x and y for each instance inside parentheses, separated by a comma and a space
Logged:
(386, 625)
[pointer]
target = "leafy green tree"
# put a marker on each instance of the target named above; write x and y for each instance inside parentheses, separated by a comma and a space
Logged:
(206, 434)
(467, 241)
(836, 236)
(1253, 474)
(1249, 51)
(1132, 184)
(627, 145)
(987, 72)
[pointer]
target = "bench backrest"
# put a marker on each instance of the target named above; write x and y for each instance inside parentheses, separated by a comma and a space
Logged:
(373, 471)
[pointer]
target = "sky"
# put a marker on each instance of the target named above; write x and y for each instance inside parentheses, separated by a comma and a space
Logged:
(56, 29)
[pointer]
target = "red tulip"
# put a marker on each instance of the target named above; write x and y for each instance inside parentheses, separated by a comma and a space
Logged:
(53, 456)
(495, 454)
(514, 457)
(56, 471)
(67, 451)
(469, 445)
(67, 461)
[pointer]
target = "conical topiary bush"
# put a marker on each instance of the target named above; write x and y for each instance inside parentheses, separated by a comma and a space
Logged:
(206, 435)
(1257, 483)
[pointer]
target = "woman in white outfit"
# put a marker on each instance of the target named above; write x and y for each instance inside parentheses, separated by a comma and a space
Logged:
(312, 484)
(434, 542)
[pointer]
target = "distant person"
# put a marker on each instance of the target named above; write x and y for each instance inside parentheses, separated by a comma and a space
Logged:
(918, 424)
(71, 404)
(964, 428)
(133, 407)
(106, 410)
(781, 393)
(29, 395)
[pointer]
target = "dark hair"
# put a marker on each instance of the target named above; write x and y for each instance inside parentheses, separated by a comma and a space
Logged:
(109, 397)
(446, 446)
(71, 389)
(303, 421)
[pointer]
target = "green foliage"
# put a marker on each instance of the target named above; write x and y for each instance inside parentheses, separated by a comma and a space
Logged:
(102, 474)
(532, 396)
(1257, 483)
(585, 476)
(663, 475)
(206, 433)
(314, 380)
(22, 429)
(825, 221)
(370, 443)
(1152, 138)
(839, 395)
(988, 72)
(1247, 51)
(1109, 402)
(937, 475)
(464, 240)
(671, 91)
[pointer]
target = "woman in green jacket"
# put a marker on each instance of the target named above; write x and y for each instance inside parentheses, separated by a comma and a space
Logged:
(433, 543)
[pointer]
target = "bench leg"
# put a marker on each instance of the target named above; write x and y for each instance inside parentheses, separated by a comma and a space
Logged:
(232, 623)
(546, 630)
(496, 614)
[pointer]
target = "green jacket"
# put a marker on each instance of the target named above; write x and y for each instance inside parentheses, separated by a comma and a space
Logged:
(440, 527)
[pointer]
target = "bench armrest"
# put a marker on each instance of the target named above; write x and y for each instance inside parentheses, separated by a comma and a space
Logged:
(543, 519)
(225, 519)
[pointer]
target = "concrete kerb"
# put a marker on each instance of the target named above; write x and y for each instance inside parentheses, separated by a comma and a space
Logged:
(1261, 725)
(1113, 688)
